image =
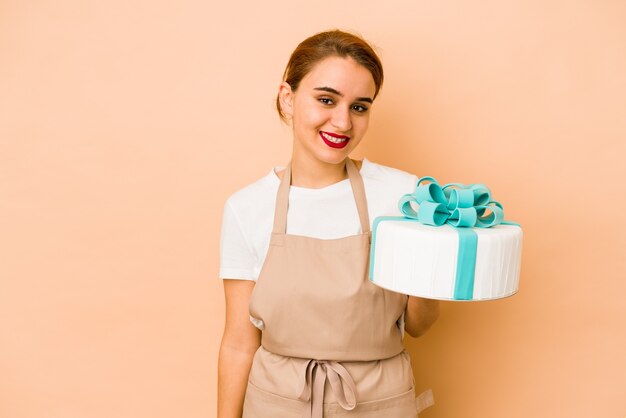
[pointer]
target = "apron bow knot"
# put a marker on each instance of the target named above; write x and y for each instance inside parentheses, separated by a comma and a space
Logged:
(311, 390)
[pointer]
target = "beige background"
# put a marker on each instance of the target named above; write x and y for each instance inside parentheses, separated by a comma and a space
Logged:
(125, 125)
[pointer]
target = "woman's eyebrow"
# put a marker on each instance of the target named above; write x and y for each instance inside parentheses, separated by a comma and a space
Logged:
(332, 90)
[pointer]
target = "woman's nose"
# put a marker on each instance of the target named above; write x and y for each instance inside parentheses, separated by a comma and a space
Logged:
(341, 119)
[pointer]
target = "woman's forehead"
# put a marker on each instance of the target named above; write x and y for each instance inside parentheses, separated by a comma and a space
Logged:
(344, 75)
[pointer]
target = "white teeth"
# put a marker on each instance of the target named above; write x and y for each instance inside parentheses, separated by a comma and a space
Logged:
(333, 139)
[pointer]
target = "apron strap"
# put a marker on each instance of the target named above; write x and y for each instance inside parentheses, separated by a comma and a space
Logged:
(282, 202)
(358, 190)
(424, 400)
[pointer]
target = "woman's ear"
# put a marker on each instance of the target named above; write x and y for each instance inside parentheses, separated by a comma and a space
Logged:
(285, 97)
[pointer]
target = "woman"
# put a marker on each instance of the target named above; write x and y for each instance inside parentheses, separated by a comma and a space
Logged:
(306, 333)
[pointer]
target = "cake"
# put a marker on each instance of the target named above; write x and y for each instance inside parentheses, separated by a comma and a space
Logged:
(454, 246)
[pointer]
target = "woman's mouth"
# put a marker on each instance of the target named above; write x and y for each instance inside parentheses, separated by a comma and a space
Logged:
(334, 140)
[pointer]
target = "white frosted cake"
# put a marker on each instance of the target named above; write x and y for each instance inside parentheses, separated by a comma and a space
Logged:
(434, 257)
(421, 260)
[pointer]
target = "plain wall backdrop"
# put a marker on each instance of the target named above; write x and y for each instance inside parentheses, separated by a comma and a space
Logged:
(124, 126)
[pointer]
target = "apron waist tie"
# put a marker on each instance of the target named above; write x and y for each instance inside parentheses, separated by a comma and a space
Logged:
(313, 382)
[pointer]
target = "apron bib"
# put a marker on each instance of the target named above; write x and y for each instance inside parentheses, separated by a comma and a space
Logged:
(330, 342)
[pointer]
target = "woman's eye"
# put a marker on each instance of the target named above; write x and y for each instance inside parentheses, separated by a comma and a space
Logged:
(359, 108)
(326, 100)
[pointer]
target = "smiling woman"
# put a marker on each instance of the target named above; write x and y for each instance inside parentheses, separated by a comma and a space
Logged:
(306, 332)
(329, 85)
(329, 110)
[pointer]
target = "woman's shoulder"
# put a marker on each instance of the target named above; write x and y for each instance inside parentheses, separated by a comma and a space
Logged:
(384, 186)
(254, 193)
(385, 173)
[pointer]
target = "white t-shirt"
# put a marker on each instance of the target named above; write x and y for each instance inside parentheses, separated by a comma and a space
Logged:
(326, 213)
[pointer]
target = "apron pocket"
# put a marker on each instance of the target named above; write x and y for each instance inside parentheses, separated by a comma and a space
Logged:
(397, 406)
(259, 403)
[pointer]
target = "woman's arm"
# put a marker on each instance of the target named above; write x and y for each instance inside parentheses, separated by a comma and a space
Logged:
(420, 314)
(239, 343)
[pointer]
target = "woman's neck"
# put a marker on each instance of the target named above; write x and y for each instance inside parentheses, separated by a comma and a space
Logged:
(314, 174)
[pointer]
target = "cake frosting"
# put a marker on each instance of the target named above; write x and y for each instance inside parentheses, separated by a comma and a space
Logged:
(421, 260)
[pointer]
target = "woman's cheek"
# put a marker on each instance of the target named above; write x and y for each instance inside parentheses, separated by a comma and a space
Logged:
(315, 117)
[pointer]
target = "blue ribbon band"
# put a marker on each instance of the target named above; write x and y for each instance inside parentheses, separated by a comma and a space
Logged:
(465, 264)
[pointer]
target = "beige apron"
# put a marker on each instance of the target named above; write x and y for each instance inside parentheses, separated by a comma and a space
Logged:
(330, 343)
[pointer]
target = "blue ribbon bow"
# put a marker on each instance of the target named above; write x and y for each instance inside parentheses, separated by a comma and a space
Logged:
(454, 203)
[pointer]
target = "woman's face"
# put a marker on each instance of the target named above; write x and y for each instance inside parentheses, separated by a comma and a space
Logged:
(330, 111)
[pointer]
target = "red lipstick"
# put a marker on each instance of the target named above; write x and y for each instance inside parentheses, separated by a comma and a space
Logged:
(337, 136)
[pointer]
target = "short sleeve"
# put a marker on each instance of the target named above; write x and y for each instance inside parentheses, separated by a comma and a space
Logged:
(413, 179)
(237, 259)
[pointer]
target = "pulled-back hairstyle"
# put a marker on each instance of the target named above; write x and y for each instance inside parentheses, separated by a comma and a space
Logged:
(325, 44)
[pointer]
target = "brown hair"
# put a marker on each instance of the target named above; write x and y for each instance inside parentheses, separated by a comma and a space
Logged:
(330, 43)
